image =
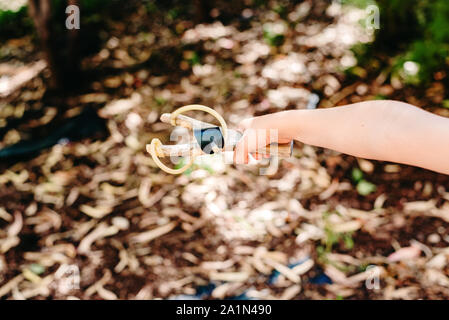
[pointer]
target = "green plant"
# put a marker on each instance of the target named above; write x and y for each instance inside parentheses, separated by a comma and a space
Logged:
(332, 238)
(14, 22)
(160, 101)
(273, 33)
(192, 57)
(446, 104)
(363, 186)
(410, 31)
(181, 163)
(357, 175)
(37, 268)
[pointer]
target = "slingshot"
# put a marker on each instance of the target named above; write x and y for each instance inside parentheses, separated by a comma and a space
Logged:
(208, 139)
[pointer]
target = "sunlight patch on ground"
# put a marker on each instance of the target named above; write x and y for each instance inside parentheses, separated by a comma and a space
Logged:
(12, 5)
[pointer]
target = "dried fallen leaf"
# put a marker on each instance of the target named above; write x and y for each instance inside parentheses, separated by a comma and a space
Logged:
(101, 231)
(349, 226)
(147, 236)
(290, 292)
(16, 226)
(406, 253)
(5, 215)
(121, 106)
(95, 212)
(6, 288)
(217, 265)
(284, 270)
(303, 267)
(229, 276)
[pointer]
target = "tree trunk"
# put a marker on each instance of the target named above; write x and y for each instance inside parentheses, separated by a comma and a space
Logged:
(40, 11)
(64, 67)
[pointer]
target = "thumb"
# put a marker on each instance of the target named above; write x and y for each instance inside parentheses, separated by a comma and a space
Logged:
(245, 124)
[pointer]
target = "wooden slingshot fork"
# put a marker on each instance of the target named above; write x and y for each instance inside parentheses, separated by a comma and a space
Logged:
(209, 139)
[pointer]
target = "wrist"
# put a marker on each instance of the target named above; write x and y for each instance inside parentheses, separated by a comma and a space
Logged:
(289, 124)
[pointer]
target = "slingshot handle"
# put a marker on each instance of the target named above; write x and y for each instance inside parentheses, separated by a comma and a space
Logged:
(281, 150)
(183, 150)
(186, 122)
(175, 150)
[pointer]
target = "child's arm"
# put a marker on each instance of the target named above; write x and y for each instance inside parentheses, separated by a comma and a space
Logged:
(380, 130)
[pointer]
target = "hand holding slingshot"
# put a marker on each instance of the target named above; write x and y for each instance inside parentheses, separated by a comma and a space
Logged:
(208, 139)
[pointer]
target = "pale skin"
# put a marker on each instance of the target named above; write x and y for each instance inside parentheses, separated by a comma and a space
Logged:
(383, 130)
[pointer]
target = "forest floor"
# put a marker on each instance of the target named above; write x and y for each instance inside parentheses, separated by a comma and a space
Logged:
(99, 207)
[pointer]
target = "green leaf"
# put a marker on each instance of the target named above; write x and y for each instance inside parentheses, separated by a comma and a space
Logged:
(193, 58)
(274, 40)
(349, 242)
(357, 175)
(380, 97)
(364, 187)
(181, 163)
(446, 104)
(37, 268)
(160, 101)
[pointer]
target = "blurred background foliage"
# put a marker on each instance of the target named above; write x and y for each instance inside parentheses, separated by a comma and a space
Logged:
(410, 30)
(414, 31)
(14, 20)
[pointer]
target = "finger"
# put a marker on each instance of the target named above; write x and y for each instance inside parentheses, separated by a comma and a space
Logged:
(251, 160)
(245, 124)
(241, 151)
(251, 141)
(257, 156)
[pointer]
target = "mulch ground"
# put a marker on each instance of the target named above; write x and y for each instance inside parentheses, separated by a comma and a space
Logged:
(96, 219)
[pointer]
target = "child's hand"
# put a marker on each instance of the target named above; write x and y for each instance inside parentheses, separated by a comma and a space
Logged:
(259, 132)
